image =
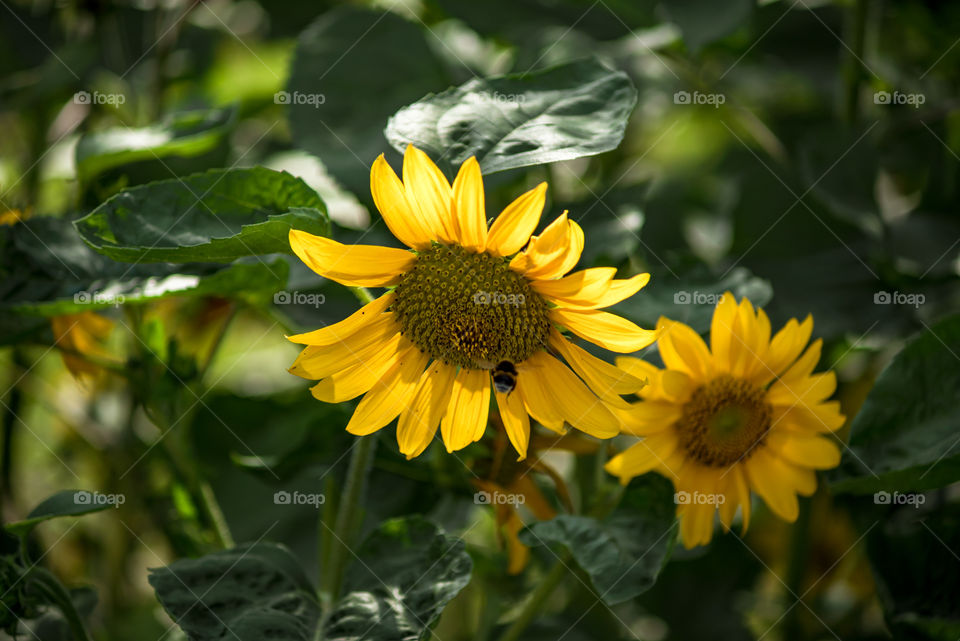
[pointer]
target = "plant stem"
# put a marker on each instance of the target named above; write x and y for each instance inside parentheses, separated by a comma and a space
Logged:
(348, 517)
(537, 600)
(363, 294)
(796, 568)
(853, 70)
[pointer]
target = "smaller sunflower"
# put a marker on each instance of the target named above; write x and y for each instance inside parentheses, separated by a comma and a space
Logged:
(747, 414)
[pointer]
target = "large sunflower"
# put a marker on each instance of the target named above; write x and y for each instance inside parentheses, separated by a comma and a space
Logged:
(746, 415)
(465, 301)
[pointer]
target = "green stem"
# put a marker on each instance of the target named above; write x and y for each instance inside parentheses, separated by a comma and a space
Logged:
(853, 70)
(348, 515)
(212, 508)
(363, 294)
(796, 568)
(537, 600)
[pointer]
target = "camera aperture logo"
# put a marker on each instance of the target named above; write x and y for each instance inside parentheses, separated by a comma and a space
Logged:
(498, 498)
(299, 298)
(898, 298)
(97, 98)
(899, 498)
(499, 298)
(298, 498)
(297, 98)
(897, 98)
(83, 497)
(98, 298)
(698, 498)
(699, 98)
(696, 298)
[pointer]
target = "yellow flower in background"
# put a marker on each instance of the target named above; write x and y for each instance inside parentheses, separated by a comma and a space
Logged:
(468, 310)
(11, 217)
(80, 335)
(747, 414)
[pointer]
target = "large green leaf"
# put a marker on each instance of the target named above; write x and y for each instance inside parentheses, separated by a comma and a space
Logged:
(65, 503)
(911, 545)
(365, 64)
(623, 553)
(252, 591)
(406, 572)
(905, 436)
(186, 134)
(216, 216)
(573, 110)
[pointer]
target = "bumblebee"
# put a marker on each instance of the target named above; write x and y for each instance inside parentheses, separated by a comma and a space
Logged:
(505, 377)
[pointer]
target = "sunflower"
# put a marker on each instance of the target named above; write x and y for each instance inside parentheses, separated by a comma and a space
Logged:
(465, 301)
(747, 414)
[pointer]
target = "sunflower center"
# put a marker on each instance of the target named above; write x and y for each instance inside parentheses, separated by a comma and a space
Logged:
(723, 421)
(470, 309)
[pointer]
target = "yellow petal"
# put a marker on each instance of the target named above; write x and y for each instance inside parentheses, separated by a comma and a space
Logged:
(515, 421)
(419, 423)
(466, 417)
(741, 490)
(619, 290)
(429, 192)
(769, 478)
(401, 215)
(640, 458)
(538, 398)
(604, 329)
(316, 362)
(567, 259)
(683, 350)
(723, 346)
(578, 289)
(649, 417)
(804, 450)
(388, 396)
(814, 417)
(805, 391)
(351, 265)
(787, 345)
(805, 364)
(575, 402)
(468, 206)
(357, 379)
(348, 326)
(606, 380)
(552, 244)
(513, 227)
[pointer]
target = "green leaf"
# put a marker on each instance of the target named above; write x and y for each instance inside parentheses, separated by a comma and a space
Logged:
(216, 216)
(911, 547)
(186, 134)
(703, 21)
(255, 591)
(569, 111)
(346, 44)
(247, 281)
(905, 435)
(65, 503)
(406, 572)
(623, 553)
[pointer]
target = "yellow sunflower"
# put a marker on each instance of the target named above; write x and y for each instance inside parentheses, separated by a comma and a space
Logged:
(464, 306)
(747, 414)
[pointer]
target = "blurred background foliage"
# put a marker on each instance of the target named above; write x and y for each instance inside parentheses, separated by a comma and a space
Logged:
(773, 150)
